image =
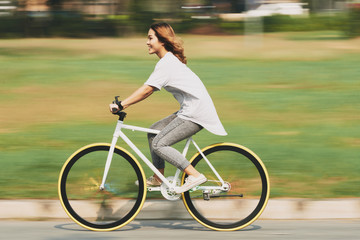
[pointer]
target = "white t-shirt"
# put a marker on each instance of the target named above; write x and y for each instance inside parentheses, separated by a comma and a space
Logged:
(195, 102)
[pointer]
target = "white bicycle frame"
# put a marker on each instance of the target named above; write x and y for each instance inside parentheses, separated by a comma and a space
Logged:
(118, 133)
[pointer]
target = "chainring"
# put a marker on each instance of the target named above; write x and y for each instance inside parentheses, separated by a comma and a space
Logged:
(165, 191)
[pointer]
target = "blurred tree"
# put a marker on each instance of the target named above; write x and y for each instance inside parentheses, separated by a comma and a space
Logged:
(238, 5)
(54, 5)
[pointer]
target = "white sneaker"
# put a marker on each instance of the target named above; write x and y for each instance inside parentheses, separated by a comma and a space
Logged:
(191, 182)
(151, 181)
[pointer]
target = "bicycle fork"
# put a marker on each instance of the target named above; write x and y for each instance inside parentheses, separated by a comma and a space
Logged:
(110, 154)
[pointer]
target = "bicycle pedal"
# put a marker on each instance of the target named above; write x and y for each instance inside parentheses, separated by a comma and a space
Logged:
(206, 196)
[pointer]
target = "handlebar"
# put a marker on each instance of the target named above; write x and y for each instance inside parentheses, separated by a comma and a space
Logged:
(117, 102)
(121, 114)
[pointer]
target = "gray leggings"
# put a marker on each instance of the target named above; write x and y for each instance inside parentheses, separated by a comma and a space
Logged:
(172, 130)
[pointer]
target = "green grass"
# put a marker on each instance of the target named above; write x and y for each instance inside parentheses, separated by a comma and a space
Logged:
(299, 113)
(318, 35)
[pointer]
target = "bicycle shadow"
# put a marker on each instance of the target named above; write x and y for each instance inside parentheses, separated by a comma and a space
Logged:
(77, 228)
(182, 225)
(191, 225)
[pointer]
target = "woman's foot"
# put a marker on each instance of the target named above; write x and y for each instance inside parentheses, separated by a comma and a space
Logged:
(151, 181)
(191, 182)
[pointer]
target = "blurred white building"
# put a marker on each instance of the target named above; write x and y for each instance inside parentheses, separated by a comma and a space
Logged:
(278, 8)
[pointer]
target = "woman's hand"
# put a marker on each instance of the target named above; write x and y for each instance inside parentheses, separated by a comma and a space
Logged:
(114, 108)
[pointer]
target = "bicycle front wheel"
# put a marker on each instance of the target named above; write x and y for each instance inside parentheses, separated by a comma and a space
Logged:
(247, 188)
(95, 209)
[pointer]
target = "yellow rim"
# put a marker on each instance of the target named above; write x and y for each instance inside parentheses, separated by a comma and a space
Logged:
(267, 182)
(94, 145)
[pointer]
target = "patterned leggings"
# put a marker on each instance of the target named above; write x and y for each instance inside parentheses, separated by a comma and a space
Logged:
(173, 129)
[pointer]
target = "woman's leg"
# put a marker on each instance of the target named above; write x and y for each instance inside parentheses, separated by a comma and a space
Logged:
(176, 131)
(157, 161)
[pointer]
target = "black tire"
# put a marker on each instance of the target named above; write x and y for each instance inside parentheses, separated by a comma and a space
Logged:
(95, 209)
(248, 195)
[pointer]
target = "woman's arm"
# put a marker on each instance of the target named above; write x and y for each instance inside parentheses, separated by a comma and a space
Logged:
(139, 95)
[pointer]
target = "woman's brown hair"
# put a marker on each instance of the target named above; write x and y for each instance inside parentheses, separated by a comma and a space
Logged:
(166, 35)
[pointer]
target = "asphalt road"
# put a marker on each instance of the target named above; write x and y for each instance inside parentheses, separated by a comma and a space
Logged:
(177, 229)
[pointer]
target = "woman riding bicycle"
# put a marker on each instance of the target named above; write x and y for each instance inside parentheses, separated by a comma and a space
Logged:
(196, 111)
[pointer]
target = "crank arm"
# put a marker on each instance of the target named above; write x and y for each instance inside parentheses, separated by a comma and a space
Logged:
(154, 189)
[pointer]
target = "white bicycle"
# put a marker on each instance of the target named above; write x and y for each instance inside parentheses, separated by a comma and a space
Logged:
(97, 184)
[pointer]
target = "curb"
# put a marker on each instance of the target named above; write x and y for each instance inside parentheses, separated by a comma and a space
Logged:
(281, 209)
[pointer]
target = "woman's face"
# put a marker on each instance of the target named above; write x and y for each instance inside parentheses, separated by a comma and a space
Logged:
(153, 43)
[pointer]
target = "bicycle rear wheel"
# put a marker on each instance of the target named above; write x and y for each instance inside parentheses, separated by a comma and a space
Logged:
(95, 209)
(248, 182)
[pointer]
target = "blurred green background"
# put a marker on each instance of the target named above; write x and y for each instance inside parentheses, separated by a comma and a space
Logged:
(290, 96)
